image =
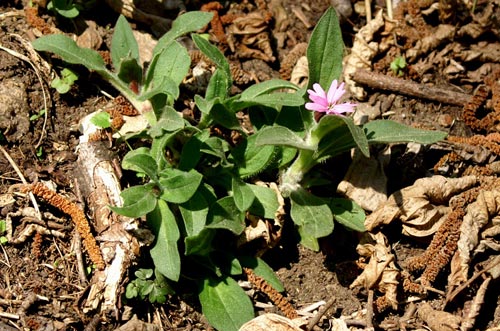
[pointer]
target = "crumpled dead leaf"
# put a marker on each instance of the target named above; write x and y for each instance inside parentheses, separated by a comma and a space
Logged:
(443, 33)
(363, 51)
(381, 272)
(365, 182)
(480, 221)
(438, 320)
(272, 322)
(420, 207)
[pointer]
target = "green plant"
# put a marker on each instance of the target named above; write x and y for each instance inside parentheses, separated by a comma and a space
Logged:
(198, 187)
(63, 84)
(3, 229)
(398, 65)
(65, 8)
(143, 287)
(36, 116)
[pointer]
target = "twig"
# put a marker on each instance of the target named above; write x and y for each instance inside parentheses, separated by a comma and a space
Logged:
(384, 82)
(23, 180)
(9, 316)
(77, 247)
(369, 311)
(320, 314)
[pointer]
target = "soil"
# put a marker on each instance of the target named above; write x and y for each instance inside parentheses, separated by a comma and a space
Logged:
(40, 286)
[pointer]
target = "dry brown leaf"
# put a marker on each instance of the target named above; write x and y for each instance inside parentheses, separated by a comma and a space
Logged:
(438, 320)
(443, 33)
(363, 51)
(365, 182)
(422, 206)
(479, 215)
(381, 272)
(272, 322)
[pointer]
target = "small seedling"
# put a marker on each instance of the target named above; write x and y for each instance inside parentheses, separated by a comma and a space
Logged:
(3, 229)
(143, 287)
(36, 116)
(398, 65)
(63, 84)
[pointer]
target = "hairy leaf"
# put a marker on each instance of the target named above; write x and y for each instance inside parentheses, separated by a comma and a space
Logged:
(164, 253)
(225, 304)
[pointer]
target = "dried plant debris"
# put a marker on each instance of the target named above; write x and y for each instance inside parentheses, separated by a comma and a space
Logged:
(270, 322)
(438, 320)
(421, 207)
(77, 216)
(381, 272)
(477, 233)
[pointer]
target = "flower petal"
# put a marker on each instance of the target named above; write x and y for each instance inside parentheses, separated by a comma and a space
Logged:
(319, 90)
(319, 100)
(316, 107)
(343, 108)
(335, 92)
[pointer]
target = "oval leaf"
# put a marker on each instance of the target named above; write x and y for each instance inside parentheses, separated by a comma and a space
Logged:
(325, 50)
(311, 213)
(164, 252)
(225, 304)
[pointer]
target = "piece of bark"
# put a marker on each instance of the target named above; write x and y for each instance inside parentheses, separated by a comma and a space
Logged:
(410, 88)
(97, 180)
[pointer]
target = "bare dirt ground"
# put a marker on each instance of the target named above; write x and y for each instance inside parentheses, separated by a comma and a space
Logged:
(448, 47)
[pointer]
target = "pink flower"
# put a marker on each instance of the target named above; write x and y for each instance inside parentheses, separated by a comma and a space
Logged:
(328, 102)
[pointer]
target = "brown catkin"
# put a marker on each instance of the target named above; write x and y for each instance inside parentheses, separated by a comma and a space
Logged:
(279, 300)
(77, 216)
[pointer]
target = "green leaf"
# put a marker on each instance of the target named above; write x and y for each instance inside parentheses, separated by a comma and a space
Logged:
(64, 83)
(185, 23)
(123, 43)
(217, 88)
(144, 273)
(199, 244)
(386, 131)
(265, 88)
(251, 159)
(307, 240)
(158, 148)
(168, 68)
(338, 134)
(225, 215)
(191, 151)
(139, 160)
(137, 201)
(179, 186)
(164, 253)
(69, 51)
(282, 136)
(348, 213)
(262, 269)
(265, 203)
(169, 120)
(275, 100)
(129, 70)
(194, 213)
(101, 119)
(225, 304)
(325, 50)
(224, 116)
(242, 194)
(214, 54)
(311, 213)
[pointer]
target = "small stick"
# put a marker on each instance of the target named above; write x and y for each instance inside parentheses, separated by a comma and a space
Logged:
(369, 311)
(23, 180)
(320, 314)
(384, 82)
